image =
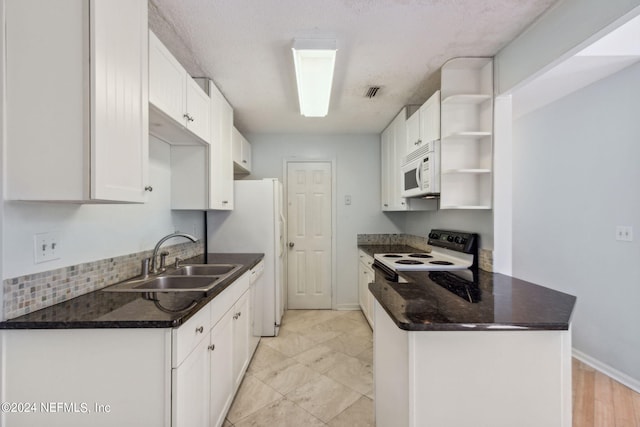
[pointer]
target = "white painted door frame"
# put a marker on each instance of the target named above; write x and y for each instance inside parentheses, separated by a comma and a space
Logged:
(334, 210)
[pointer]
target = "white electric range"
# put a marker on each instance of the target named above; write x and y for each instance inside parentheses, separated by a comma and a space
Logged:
(451, 250)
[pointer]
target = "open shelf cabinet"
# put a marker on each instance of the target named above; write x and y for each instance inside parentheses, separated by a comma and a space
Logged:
(467, 134)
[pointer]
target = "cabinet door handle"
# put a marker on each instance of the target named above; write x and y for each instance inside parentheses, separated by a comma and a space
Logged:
(235, 316)
(244, 161)
(225, 202)
(148, 188)
(212, 347)
(188, 117)
(200, 330)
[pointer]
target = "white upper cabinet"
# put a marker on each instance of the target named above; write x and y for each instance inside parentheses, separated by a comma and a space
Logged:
(167, 81)
(424, 125)
(198, 110)
(77, 100)
(202, 176)
(241, 153)
(179, 107)
(430, 118)
(220, 152)
(413, 132)
(393, 149)
(467, 129)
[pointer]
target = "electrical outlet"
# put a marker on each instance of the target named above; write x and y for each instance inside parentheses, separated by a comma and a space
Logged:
(46, 246)
(624, 233)
(347, 200)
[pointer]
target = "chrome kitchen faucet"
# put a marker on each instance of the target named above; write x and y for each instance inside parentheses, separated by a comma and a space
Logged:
(154, 267)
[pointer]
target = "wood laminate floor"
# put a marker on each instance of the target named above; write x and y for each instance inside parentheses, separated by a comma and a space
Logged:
(599, 401)
(318, 372)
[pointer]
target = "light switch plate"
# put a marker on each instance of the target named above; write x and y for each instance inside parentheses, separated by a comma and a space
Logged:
(624, 233)
(46, 246)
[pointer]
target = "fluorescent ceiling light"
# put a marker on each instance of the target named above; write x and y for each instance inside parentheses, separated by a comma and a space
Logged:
(314, 60)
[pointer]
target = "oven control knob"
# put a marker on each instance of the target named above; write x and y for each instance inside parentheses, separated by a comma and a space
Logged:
(460, 240)
(449, 239)
(433, 235)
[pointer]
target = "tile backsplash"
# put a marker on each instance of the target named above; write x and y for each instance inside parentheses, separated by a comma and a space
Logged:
(32, 292)
(485, 256)
(381, 239)
(418, 242)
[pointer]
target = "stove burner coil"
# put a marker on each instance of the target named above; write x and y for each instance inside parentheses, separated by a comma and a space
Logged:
(392, 256)
(441, 262)
(409, 261)
(420, 256)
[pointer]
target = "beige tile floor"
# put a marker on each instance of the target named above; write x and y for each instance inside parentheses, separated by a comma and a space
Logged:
(317, 372)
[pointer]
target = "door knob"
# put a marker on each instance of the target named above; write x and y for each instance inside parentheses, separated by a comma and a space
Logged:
(291, 244)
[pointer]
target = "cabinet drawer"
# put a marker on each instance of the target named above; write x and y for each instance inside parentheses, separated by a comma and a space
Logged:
(223, 302)
(366, 259)
(187, 336)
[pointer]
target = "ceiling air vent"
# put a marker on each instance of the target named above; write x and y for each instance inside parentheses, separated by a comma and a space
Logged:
(372, 91)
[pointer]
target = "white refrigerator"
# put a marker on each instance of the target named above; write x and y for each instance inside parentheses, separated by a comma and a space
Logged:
(256, 224)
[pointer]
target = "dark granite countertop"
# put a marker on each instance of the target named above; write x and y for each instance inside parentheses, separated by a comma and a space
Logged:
(388, 249)
(471, 300)
(100, 309)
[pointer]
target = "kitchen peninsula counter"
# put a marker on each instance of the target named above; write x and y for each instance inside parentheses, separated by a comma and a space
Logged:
(470, 348)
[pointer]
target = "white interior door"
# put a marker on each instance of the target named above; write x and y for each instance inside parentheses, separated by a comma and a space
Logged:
(309, 235)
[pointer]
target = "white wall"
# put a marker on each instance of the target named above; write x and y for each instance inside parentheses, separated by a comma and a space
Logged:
(93, 232)
(576, 175)
(357, 160)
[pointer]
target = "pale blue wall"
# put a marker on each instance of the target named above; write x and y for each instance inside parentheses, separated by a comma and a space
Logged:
(576, 175)
(357, 159)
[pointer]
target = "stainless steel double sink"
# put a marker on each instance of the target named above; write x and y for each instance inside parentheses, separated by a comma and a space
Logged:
(187, 278)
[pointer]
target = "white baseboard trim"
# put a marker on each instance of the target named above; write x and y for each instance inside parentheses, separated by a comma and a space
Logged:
(621, 377)
(347, 307)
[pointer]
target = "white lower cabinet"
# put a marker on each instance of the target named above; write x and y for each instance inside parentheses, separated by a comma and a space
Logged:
(220, 375)
(147, 377)
(512, 375)
(122, 376)
(365, 276)
(190, 403)
(205, 383)
(241, 335)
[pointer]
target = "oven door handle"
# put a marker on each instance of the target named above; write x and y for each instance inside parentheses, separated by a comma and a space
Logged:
(384, 272)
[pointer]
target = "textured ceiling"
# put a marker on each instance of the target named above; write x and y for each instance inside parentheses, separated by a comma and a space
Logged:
(244, 46)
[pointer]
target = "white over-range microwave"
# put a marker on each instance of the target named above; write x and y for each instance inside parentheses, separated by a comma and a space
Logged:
(421, 172)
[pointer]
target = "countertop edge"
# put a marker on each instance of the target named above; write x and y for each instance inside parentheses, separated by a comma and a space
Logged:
(471, 326)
